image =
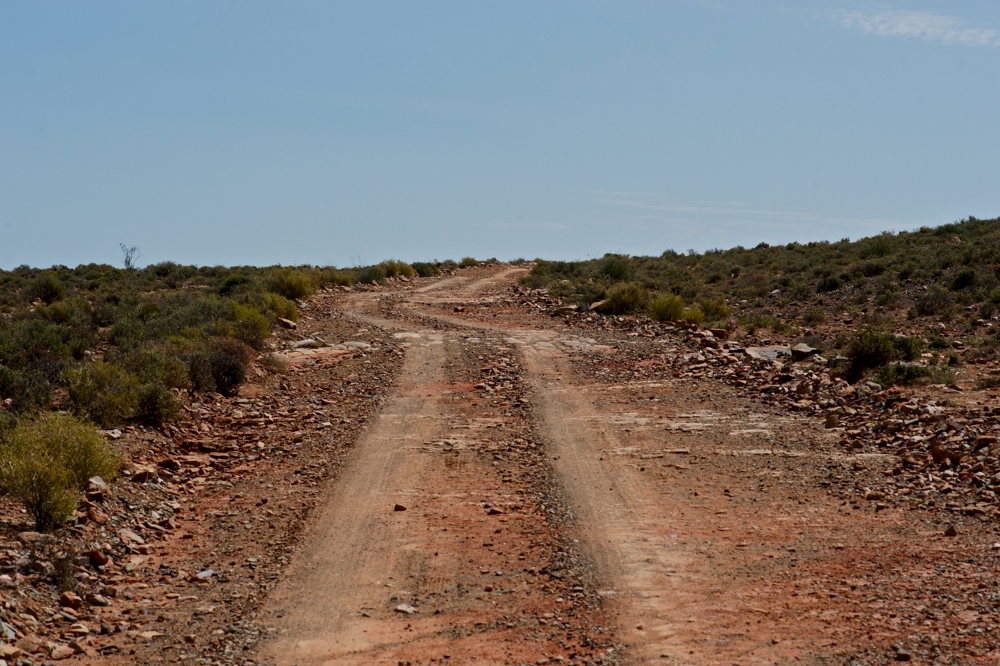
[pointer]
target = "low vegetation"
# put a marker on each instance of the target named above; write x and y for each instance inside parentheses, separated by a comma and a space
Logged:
(914, 282)
(115, 346)
(931, 272)
(46, 460)
(98, 346)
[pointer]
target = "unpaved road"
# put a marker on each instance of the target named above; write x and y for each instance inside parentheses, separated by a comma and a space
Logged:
(575, 520)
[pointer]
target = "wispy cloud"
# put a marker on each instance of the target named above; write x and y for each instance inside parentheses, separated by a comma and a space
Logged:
(648, 207)
(920, 25)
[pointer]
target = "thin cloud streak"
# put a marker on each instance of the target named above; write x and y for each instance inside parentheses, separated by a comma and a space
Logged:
(651, 209)
(920, 25)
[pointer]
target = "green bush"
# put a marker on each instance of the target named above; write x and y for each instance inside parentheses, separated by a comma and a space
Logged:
(228, 373)
(292, 283)
(624, 298)
(215, 371)
(829, 283)
(45, 287)
(757, 320)
(904, 374)
(693, 316)
(715, 309)
(423, 269)
(907, 348)
(870, 349)
(104, 393)
(814, 317)
(154, 366)
(199, 372)
(246, 324)
(279, 306)
(234, 284)
(156, 404)
(965, 279)
(934, 303)
(27, 391)
(74, 310)
(238, 350)
(396, 268)
(666, 307)
(46, 461)
(614, 267)
(369, 275)
(468, 262)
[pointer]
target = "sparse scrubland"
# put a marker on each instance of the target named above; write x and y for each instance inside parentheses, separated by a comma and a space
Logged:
(112, 346)
(874, 305)
(105, 347)
(221, 407)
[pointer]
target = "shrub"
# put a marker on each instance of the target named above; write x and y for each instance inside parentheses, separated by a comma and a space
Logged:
(965, 279)
(423, 269)
(396, 268)
(105, 393)
(814, 317)
(624, 298)
(156, 404)
(757, 320)
(200, 372)
(238, 350)
(829, 283)
(887, 299)
(935, 302)
(614, 267)
(154, 366)
(666, 307)
(27, 391)
(937, 342)
(46, 461)
(693, 316)
(369, 275)
(715, 309)
(228, 373)
(215, 371)
(468, 262)
(248, 325)
(45, 287)
(75, 310)
(899, 374)
(906, 348)
(279, 306)
(291, 283)
(904, 374)
(233, 284)
(871, 349)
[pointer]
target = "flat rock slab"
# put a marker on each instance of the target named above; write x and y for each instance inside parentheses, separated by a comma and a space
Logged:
(302, 356)
(768, 353)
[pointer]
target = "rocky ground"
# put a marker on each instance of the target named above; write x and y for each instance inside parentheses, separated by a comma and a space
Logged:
(759, 509)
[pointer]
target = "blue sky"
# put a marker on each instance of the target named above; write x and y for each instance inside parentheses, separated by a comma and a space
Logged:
(342, 133)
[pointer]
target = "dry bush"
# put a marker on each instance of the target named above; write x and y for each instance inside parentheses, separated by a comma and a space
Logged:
(46, 461)
(104, 393)
(624, 298)
(666, 307)
(292, 283)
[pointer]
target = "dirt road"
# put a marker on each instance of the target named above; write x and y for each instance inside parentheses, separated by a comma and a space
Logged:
(522, 500)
